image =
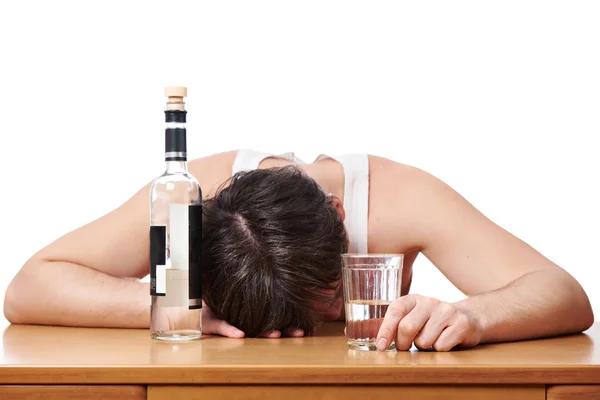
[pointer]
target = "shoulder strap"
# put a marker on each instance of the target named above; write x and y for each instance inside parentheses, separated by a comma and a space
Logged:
(356, 198)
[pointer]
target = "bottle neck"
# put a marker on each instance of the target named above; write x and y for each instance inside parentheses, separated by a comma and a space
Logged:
(176, 167)
(175, 142)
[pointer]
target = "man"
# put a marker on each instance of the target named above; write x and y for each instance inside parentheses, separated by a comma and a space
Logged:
(273, 236)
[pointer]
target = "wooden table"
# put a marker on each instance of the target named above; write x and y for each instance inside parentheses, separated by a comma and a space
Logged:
(125, 364)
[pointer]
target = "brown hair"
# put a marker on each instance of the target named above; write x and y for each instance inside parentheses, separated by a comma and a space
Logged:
(272, 245)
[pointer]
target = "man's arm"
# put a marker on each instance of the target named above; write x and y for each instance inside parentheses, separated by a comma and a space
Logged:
(67, 294)
(539, 303)
(517, 292)
(514, 291)
(81, 279)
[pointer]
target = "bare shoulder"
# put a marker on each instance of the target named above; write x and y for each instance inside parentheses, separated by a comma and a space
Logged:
(385, 168)
(404, 182)
(212, 171)
(401, 182)
(400, 195)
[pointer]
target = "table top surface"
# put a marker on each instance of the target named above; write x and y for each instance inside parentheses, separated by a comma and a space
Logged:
(43, 354)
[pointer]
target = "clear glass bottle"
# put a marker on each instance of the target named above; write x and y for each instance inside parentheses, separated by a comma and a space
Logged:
(175, 235)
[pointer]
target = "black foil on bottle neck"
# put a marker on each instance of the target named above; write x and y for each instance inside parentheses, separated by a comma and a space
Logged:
(175, 116)
(175, 140)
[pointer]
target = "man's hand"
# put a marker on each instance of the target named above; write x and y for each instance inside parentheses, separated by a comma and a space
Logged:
(211, 325)
(428, 322)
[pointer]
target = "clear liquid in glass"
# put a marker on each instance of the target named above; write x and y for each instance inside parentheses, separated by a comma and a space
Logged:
(363, 320)
(371, 283)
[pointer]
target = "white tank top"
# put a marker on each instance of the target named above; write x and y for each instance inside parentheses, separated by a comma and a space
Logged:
(356, 189)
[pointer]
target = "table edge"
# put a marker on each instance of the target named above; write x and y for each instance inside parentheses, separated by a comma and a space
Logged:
(300, 374)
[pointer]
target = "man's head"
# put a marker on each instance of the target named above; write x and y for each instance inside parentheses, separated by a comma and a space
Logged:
(272, 245)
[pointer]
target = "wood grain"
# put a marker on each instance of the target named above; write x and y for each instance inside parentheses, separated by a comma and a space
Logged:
(59, 355)
(347, 393)
(573, 392)
(57, 392)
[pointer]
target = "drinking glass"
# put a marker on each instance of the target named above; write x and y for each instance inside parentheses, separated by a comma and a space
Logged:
(371, 283)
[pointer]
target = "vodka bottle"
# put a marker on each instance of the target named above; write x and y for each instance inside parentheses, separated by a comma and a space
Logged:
(175, 235)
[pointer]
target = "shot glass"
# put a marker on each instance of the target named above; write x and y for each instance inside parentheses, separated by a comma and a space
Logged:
(371, 283)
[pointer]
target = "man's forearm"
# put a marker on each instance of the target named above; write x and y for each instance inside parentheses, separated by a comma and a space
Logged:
(59, 293)
(540, 303)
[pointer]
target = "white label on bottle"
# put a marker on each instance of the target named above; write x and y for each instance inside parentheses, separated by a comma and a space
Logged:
(177, 288)
(179, 236)
(161, 279)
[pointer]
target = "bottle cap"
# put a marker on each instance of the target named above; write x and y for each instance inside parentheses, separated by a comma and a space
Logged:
(175, 95)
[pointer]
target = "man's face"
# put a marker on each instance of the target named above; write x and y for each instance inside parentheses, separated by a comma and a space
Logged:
(333, 311)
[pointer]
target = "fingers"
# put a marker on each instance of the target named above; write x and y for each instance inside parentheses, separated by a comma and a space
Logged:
(441, 316)
(461, 331)
(213, 325)
(412, 324)
(294, 332)
(222, 328)
(396, 311)
(271, 334)
(448, 339)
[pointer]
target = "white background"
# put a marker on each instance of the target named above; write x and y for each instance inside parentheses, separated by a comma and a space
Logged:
(498, 99)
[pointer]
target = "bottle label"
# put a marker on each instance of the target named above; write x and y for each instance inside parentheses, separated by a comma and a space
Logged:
(158, 259)
(177, 276)
(195, 256)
